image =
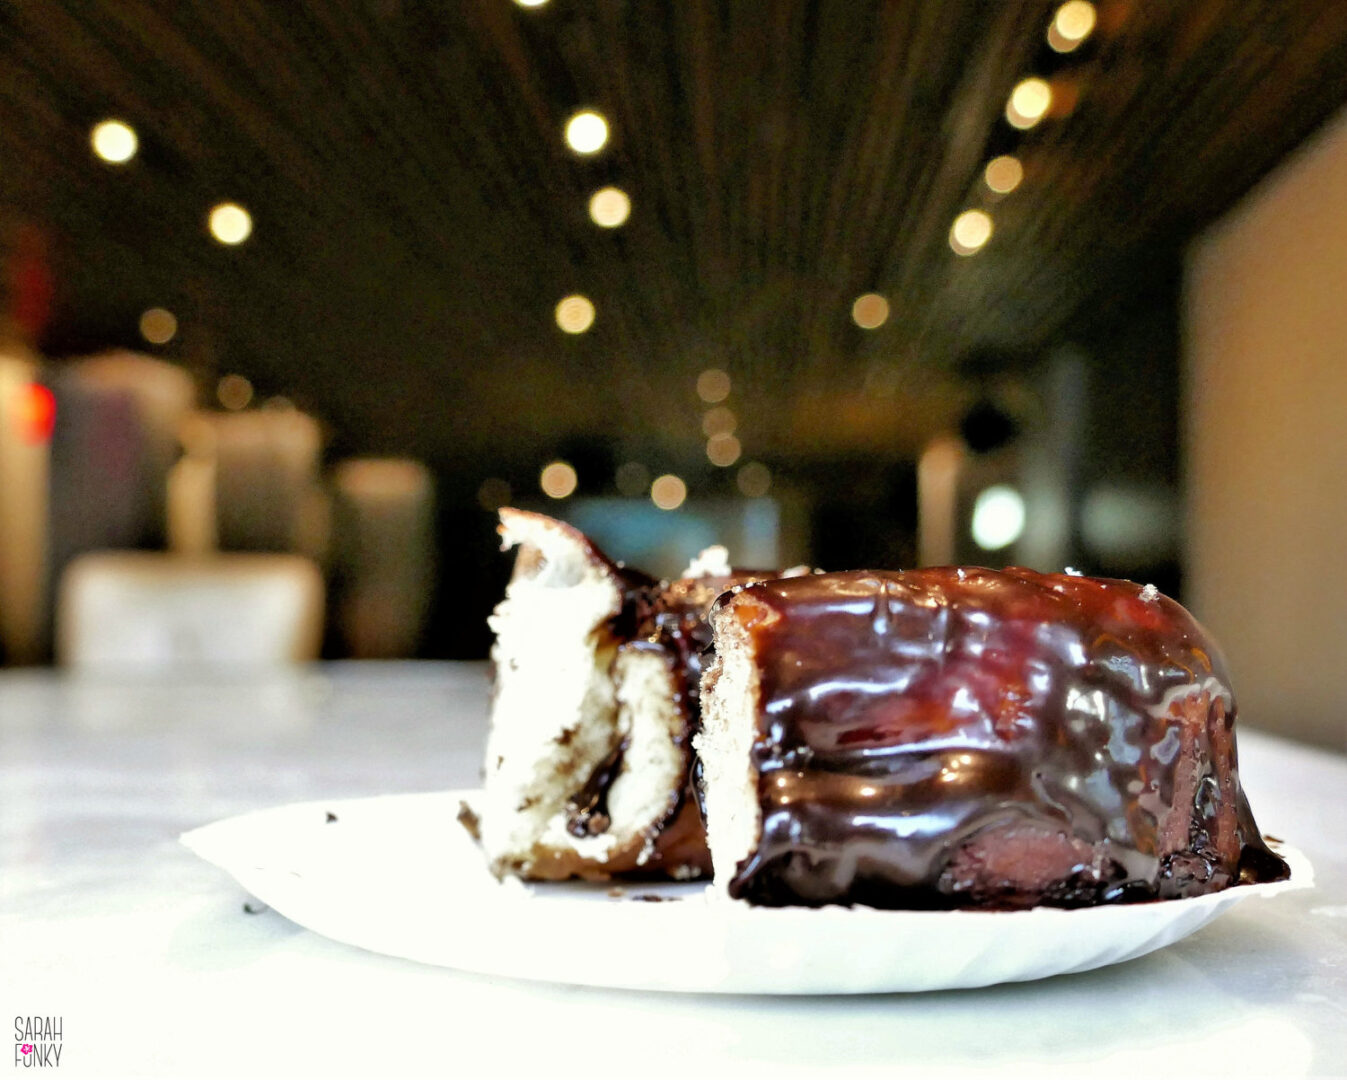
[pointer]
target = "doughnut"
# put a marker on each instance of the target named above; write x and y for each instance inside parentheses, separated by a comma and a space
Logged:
(961, 737)
(597, 672)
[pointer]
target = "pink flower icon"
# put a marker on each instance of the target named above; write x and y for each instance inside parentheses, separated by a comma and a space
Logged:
(27, 1048)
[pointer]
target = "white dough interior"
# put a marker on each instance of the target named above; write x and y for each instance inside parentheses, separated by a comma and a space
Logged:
(730, 691)
(552, 656)
(567, 696)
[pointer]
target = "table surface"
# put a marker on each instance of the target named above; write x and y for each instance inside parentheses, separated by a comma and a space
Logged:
(149, 959)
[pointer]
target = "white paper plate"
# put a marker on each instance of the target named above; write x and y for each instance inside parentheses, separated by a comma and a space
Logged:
(398, 875)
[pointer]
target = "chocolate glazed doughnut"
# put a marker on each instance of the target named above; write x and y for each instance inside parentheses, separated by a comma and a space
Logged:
(965, 737)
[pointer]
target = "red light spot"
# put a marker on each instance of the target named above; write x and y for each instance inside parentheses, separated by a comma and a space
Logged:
(35, 413)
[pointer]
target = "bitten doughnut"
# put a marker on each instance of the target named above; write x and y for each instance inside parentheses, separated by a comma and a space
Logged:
(594, 703)
(970, 738)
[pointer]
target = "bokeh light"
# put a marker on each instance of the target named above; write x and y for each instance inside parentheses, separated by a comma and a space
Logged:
(34, 413)
(723, 450)
(1029, 103)
(1003, 174)
(575, 314)
(1072, 24)
(668, 492)
(719, 421)
(114, 141)
(970, 231)
(754, 480)
(870, 311)
(632, 479)
(493, 493)
(609, 207)
(234, 392)
(713, 385)
(230, 223)
(558, 480)
(998, 517)
(586, 132)
(158, 326)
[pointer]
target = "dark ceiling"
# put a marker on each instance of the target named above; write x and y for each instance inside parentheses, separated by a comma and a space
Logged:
(418, 215)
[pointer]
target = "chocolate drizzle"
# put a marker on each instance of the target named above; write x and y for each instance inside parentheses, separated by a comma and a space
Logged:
(587, 810)
(948, 737)
(677, 622)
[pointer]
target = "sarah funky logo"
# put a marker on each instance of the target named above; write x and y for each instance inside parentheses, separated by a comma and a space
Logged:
(37, 1041)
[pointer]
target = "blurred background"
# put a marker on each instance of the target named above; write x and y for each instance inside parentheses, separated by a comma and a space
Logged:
(295, 296)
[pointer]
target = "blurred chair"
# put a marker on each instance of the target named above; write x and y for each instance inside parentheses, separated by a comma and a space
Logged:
(248, 481)
(25, 452)
(139, 611)
(266, 464)
(113, 446)
(384, 555)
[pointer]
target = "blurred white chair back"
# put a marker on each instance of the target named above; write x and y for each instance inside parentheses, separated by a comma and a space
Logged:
(384, 554)
(139, 611)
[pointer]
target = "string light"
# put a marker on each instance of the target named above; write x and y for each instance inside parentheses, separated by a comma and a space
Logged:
(158, 326)
(609, 207)
(230, 223)
(558, 480)
(970, 231)
(114, 141)
(1029, 103)
(1003, 174)
(586, 132)
(575, 314)
(870, 311)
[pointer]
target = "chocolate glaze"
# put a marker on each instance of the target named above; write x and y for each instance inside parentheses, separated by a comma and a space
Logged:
(587, 809)
(677, 621)
(952, 737)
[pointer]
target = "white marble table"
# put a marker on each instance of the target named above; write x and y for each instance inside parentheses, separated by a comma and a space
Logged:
(147, 956)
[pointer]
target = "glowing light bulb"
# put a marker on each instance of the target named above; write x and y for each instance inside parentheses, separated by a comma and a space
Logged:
(230, 223)
(970, 231)
(998, 517)
(1029, 103)
(558, 480)
(575, 314)
(609, 207)
(114, 141)
(586, 132)
(870, 311)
